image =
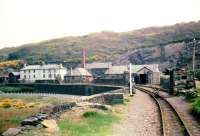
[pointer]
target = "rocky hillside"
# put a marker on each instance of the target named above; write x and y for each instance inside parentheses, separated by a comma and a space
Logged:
(149, 45)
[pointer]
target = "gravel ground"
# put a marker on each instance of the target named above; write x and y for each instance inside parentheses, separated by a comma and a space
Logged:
(140, 119)
(183, 108)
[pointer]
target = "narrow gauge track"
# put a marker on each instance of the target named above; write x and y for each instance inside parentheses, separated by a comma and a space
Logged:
(171, 123)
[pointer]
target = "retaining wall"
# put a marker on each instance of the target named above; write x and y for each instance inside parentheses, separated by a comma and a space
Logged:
(74, 89)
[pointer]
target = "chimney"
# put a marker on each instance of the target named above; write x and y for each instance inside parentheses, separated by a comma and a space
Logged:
(83, 58)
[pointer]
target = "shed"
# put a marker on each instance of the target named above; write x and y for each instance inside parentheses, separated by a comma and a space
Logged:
(78, 75)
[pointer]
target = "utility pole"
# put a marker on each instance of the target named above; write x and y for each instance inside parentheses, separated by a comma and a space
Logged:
(83, 58)
(171, 81)
(193, 63)
(130, 80)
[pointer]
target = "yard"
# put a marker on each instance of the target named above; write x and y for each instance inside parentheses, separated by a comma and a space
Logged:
(84, 121)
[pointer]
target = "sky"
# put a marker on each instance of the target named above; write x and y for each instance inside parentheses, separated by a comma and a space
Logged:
(27, 21)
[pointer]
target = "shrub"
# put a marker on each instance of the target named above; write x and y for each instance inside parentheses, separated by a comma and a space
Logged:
(9, 89)
(6, 100)
(197, 74)
(5, 104)
(190, 96)
(90, 114)
(19, 105)
(196, 108)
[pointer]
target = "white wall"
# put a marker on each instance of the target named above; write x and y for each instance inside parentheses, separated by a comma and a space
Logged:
(40, 74)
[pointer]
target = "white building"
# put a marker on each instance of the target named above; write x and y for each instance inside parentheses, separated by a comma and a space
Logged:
(31, 73)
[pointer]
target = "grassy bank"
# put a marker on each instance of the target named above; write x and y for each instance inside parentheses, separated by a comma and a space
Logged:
(10, 118)
(92, 123)
(15, 108)
(196, 106)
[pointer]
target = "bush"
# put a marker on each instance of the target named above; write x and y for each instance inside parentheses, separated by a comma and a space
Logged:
(90, 114)
(197, 74)
(5, 105)
(10, 89)
(196, 108)
(190, 96)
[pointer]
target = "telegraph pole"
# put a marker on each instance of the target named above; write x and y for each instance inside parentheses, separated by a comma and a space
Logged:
(130, 80)
(193, 62)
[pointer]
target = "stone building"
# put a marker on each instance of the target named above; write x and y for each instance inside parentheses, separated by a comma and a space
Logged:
(32, 73)
(78, 75)
(142, 74)
(98, 69)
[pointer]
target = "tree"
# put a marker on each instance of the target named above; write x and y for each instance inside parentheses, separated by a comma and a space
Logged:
(197, 74)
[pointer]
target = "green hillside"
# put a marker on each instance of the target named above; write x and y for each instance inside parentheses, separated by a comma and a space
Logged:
(101, 46)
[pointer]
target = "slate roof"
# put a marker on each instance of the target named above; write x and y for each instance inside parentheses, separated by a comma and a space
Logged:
(135, 68)
(15, 73)
(79, 72)
(46, 66)
(98, 65)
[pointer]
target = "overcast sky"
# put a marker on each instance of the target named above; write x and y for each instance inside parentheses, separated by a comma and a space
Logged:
(26, 21)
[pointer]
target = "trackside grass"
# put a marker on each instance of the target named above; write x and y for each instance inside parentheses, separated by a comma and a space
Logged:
(92, 123)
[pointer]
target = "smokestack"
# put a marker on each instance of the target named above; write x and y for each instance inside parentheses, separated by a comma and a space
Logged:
(83, 57)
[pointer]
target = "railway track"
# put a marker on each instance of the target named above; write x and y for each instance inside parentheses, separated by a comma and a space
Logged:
(171, 123)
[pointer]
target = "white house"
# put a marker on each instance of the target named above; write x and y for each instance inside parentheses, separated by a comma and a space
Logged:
(31, 73)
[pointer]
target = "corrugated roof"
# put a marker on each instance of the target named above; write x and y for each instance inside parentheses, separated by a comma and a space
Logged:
(47, 66)
(98, 65)
(135, 68)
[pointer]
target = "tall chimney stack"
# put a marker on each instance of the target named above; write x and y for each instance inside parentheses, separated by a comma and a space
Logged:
(83, 58)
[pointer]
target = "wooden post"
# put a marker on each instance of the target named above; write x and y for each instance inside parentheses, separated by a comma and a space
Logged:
(130, 80)
(193, 63)
(171, 82)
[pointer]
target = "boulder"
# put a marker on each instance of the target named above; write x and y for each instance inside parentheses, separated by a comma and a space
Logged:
(41, 116)
(12, 132)
(51, 127)
(32, 121)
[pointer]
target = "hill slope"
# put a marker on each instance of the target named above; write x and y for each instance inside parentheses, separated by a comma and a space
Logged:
(138, 46)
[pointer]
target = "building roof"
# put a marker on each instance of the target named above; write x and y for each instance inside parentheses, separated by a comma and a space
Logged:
(79, 72)
(116, 70)
(44, 66)
(98, 65)
(15, 73)
(135, 68)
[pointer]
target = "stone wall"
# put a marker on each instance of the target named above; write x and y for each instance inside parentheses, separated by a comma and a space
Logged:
(74, 89)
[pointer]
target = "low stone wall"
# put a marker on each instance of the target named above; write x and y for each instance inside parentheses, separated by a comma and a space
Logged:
(105, 98)
(45, 113)
(74, 89)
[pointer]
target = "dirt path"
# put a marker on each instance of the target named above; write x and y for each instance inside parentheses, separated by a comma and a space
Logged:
(141, 118)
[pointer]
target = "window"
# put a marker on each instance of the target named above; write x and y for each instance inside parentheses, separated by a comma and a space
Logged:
(54, 70)
(24, 76)
(49, 75)
(34, 71)
(33, 76)
(24, 71)
(43, 70)
(29, 76)
(29, 71)
(43, 75)
(54, 75)
(49, 70)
